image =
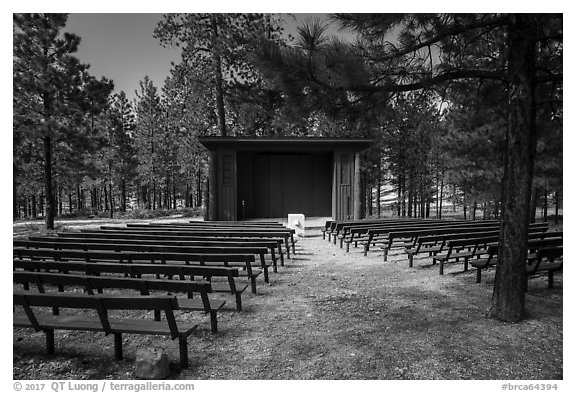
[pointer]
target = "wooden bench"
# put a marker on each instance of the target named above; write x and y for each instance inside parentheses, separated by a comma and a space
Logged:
(344, 231)
(376, 236)
(387, 237)
(104, 322)
(287, 234)
(462, 249)
(433, 244)
(228, 274)
(279, 228)
(260, 249)
(149, 249)
(336, 226)
(546, 261)
(326, 229)
(449, 229)
(355, 233)
(243, 261)
(553, 239)
(96, 237)
(144, 286)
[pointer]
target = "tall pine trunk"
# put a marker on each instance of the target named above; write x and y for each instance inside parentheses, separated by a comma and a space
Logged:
(556, 207)
(123, 195)
(545, 208)
(378, 196)
(508, 300)
(217, 64)
(48, 186)
(15, 207)
(441, 196)
(111, 199)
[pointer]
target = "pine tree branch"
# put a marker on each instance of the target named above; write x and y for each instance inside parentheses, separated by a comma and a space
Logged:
(449, 31)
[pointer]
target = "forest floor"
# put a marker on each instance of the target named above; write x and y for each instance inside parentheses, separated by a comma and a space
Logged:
(328, 314)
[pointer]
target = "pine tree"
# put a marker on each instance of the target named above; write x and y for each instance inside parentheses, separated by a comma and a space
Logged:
(219, 45)
(54, 91)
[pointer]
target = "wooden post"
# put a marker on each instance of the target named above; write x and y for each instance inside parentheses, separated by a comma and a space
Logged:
(118, 346)
(212, 200)
(357, 187)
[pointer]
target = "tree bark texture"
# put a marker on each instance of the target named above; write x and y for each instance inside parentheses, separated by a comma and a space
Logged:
(50, 208)
(508, 300)
(217, 63)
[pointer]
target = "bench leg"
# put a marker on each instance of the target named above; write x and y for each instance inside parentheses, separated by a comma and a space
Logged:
(465, 264)
(213, 322)
(347, 247)
(410, 260)
(118, 346)
(366, 247)
(266, 279)
(238, 301)
(287, 249)
(293, 245)
(441, 266)
(49, 341)
(385, 254)
(342, 242)
(478, 275)
(281, 257)
(253, 284)
(550, 279)
(183, 343)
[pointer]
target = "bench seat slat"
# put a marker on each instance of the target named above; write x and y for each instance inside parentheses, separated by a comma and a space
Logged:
(117, 325)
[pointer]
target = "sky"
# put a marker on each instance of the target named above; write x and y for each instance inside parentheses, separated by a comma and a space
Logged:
(121, 46)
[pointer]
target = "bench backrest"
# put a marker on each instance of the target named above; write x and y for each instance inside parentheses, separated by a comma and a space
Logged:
(455, 234)
(128, 257)
(100, 303)
(402, 232)
(403, 228)
(550, 253)
(90, 283)
(203, 224)
(232, 230)
(143, 247)
(455, 229)
(132, 269)
(157, 238)
(270, 243)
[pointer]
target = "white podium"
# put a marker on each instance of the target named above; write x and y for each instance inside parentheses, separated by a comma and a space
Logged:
(298, 223)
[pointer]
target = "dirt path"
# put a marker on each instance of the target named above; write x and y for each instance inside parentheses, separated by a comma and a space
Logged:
(332, 315)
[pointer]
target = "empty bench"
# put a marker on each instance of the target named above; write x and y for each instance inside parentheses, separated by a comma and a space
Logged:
(104, 322)
(144, 286)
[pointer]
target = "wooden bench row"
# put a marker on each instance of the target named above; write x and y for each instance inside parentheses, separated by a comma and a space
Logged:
(550, 249)
(134, 258)
(475, 247)
(197, 230)
(404, 236)
(104, 322)
(145, 286)
(228, 275)
(333, 228)
(446, 243)
(241, 261)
